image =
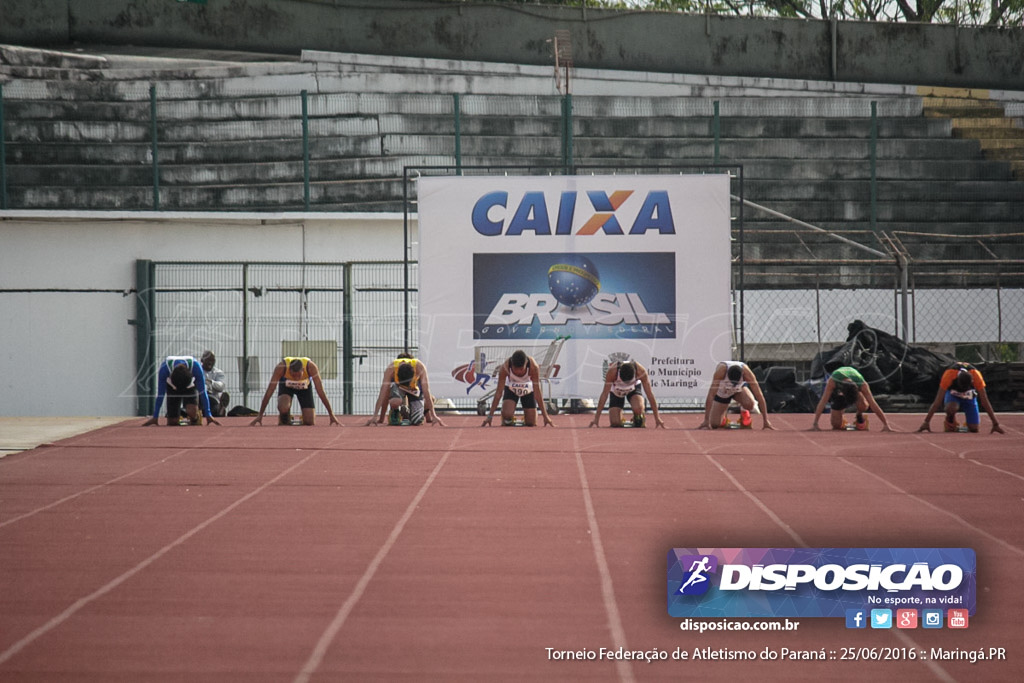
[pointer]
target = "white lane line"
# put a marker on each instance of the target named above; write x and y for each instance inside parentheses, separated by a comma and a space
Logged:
(939, 673)
(962, 455)
(790, 531)
(611, 607)
(100, 592)
(329, 634)
(995, 539)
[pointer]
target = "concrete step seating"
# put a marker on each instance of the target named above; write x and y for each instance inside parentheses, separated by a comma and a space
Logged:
(229, 129)
(974, 116)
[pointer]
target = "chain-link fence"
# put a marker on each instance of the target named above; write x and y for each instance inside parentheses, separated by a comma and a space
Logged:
(847, 208)
(349, 318)
(353, 318)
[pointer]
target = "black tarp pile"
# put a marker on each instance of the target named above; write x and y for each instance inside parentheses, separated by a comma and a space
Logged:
(889, 365)
(783, 394)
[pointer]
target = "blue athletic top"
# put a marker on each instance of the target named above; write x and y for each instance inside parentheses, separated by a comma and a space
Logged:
(198, 381)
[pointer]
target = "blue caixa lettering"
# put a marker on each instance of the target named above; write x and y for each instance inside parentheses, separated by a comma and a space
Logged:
(532, 215)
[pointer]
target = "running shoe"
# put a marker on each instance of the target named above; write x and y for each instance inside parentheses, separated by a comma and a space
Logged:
(745, 420)
(395, 418)
(639, 420)
(950, 426)
(862, 423)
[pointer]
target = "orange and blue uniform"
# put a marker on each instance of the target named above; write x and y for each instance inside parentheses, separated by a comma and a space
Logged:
(967, 398)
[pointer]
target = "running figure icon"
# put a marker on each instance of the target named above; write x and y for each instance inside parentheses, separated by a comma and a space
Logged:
(697, 571)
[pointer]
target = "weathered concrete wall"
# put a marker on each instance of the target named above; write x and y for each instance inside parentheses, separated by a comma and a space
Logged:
(67, 276)
(641, 41)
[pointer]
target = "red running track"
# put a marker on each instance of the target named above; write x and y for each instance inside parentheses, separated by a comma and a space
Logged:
(464, 553)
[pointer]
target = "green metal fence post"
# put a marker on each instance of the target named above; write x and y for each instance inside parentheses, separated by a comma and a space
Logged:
(305, 150)
(155, 148)
(405, 259)
(3, 153)
(145, 339)
(458, 133)
(245, 334)
(348, 383)
(874, 165)
(716, 127)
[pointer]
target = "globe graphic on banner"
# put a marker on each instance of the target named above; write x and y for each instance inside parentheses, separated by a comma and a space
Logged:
(574, 280)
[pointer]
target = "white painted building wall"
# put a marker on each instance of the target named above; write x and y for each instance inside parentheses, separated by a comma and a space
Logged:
(67, 281)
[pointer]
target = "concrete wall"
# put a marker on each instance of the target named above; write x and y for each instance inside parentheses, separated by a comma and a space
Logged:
(67, 285)
(918, 54)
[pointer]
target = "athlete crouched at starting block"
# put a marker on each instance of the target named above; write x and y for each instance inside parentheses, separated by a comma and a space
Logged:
(623, 382)
(733, 381)
(519, 382)
(182, 381)
(295, 378)
(847, 387)
(405, 394)
(961, 387)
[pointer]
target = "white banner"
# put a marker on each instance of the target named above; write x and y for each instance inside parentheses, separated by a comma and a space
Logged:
(578, 271)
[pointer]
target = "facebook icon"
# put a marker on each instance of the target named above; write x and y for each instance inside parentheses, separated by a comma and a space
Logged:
(856, 618)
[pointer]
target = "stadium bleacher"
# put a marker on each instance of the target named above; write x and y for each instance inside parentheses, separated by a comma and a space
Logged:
(79, 135)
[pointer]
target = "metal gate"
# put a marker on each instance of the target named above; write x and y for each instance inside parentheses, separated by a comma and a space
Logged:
(348, 317)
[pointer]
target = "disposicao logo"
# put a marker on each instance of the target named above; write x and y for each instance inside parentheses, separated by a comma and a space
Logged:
(816, 582)
(492, 216)
(696, 580)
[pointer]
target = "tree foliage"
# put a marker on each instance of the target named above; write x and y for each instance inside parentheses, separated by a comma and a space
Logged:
(1003, 13)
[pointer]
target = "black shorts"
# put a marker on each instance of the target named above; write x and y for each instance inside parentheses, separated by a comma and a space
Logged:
(305, 396)
(726, 401)
(176, 400)
(529, 401)
(616, 401)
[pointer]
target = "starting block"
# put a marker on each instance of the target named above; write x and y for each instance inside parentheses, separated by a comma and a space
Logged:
(513, 423)
(958, 427)
(631, 424)
(731, 424)
(852, 426)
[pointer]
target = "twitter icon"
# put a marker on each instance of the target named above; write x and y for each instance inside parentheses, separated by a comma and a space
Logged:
(881, 618)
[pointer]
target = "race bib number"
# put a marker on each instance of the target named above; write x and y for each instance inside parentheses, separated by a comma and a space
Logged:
(623, 390)
(521, 388)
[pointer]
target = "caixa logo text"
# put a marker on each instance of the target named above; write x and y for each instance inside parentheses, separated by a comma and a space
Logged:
(830, 577)
(494, 216)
